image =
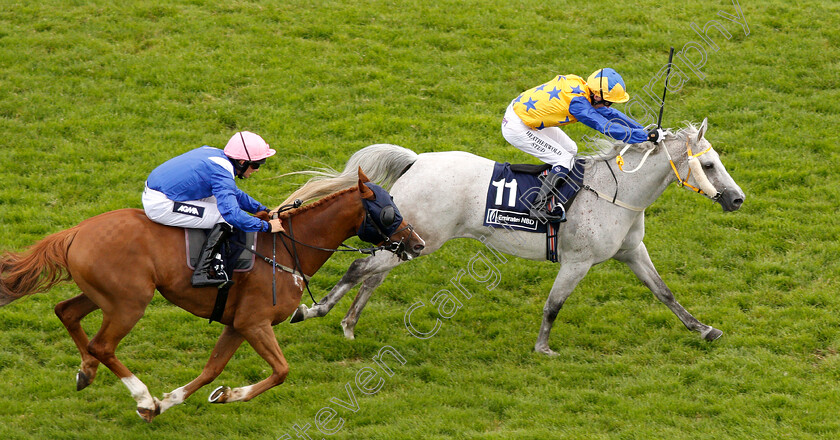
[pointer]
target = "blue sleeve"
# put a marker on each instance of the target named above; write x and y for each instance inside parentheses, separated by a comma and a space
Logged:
(615, 115)
(228, 201)
(583, 111)
(248, 203)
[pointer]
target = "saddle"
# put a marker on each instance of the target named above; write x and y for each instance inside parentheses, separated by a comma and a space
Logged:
(513, 188)
(235, 257)
(530, 168)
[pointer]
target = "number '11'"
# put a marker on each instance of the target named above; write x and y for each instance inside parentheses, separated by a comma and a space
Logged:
(500, 189)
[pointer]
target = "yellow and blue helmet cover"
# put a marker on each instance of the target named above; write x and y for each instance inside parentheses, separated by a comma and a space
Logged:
(609, 84)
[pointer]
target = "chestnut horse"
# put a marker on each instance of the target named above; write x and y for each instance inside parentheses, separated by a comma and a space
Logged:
(152, 256)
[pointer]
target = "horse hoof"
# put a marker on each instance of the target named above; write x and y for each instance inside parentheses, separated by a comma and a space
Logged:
(219, 395)
(349, 333)
(546, 351)
(148, 414)
(712, 334)
(298, 315)
(82, 380)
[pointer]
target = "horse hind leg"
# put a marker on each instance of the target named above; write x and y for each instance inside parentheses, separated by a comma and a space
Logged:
(348, 324)
(567, 279)
(640, 263)
(262, 340)
(118, 318)
(226, 346)
(71, 312)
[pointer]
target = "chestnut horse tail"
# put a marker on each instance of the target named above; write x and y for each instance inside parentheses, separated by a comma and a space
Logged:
(37, 269)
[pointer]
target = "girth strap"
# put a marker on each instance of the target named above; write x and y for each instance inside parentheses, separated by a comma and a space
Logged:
(221, 302)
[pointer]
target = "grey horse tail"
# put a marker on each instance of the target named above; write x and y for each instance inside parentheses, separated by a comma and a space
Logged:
(382, 163)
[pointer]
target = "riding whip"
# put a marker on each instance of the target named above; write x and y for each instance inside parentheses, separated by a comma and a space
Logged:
(665, 91)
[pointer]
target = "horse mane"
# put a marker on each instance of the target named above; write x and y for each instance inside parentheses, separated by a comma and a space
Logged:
(317, 203)
(382, 163)
(607, 149)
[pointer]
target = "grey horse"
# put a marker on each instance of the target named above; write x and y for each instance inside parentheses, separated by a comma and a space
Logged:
(443, 195)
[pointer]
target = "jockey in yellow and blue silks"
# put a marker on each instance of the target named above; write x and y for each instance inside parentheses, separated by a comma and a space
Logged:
(532, 123)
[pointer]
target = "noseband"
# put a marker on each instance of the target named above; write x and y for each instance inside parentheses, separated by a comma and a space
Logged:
(706, 187)
(369, 224)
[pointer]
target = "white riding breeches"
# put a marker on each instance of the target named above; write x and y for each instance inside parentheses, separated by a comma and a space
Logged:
(550, 145)
(198, 214)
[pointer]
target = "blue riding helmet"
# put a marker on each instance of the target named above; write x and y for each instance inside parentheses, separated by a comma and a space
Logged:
(382, 218)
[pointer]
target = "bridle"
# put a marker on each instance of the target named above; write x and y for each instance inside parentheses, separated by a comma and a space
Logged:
(705, 187)
(388, 245)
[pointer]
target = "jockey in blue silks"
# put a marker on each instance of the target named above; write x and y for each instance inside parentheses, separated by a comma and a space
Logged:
(197, 190)
(532, 123)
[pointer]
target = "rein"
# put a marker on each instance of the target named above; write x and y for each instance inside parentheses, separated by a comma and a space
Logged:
(392, 246)
(706, 187)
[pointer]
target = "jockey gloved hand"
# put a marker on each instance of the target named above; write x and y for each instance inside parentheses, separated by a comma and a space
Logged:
(276, 226)
(655, 134)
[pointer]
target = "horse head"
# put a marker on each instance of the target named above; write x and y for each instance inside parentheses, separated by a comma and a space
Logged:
(383, 223)
(706, 173)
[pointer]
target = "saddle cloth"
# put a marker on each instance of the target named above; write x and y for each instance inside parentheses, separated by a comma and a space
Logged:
(234, 255)
(513, 188)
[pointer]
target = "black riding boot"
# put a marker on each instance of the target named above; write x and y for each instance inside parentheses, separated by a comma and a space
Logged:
(539, 209)
(210, 258)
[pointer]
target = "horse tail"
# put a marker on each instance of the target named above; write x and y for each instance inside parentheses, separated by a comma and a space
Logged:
(35, 270)
(382, 163)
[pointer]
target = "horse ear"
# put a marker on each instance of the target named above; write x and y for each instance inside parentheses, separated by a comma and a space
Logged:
(366, 192)
(362, 176)
(702, 131)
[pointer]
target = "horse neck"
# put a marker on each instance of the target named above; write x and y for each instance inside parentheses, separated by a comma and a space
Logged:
(643, 187)
(325, 225)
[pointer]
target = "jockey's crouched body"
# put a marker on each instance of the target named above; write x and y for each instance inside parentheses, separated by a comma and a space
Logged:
(532, 123)
(197, 190)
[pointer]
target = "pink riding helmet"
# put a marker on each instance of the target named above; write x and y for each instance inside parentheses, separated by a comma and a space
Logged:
(245, 145)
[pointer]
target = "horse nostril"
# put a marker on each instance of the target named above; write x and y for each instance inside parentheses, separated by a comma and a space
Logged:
(418, 247)
(738, 202)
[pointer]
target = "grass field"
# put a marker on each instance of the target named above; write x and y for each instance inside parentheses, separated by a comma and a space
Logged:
(93, 95)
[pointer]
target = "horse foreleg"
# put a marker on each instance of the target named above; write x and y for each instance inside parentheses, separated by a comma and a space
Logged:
(228, 343)
(639, 262)
(264, 342)
(355, 311)
(567, 279)
(71, 312)
(354, 275)
(358, 271)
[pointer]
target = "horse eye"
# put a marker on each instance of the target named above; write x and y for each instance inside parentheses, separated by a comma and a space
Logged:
(709, 166)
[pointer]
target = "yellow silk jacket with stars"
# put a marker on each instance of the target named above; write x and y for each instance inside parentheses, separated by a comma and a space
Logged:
(547, 105)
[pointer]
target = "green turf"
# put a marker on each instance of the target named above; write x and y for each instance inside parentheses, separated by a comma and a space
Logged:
(93, 95)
